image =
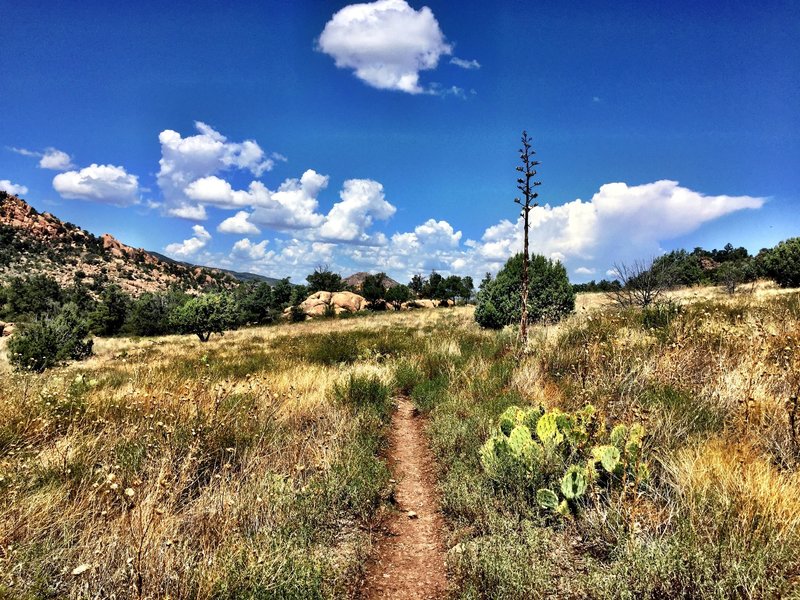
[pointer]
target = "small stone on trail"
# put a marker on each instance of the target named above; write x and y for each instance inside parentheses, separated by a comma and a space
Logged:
(412, 514)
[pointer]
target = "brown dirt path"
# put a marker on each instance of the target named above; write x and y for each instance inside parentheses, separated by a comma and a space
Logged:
(409, 557)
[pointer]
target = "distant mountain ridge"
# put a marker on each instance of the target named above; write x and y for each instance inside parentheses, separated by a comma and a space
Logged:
(239, 275)
(40, 243)
(356, 280)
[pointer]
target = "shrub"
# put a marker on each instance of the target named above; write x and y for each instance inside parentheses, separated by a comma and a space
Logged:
(782, 263)
(550, 297)
(204, 315)
(110, 313)
(45, 344)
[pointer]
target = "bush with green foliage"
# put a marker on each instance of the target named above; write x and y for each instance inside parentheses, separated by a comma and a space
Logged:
(782, 263)
(111, 311)
(324, 280)
(206, 314)
(398, 294)
(550, 297)
(150, 313)
(50, 342)
(33, 296)
(374, 288)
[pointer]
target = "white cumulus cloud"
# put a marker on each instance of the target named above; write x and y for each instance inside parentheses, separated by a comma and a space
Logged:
(56, 160)
(386, 43)
(293, 206)
(620, 222)
(246, 249)
(185, 160)
(51, 158)
(238, 224)
(362, 201)
(191, 246)
(100, 183)
(12, 188)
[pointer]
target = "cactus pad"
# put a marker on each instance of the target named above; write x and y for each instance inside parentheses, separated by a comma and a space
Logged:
(547, 429)
(547, 499)
(618, 436)
(573, 485)
(608, 456)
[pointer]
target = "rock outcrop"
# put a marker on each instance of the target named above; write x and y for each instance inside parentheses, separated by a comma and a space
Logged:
(425, 303)
(321, 304)
(356, 281)
(40, 243)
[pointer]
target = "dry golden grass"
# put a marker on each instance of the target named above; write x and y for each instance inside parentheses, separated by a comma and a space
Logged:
(759, 290)
(233, 468)
(168, 466)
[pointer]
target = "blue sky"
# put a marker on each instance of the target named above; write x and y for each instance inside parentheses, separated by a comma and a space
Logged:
(277, 136)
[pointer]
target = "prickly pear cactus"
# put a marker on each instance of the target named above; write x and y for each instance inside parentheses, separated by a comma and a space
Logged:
(563, 509)
(510, 418)
(635, 437)
(495, 454)
(608, 456)
(573, 485)
(531, 418)
(547, 499)
(618, 436)
(579, 426)
(547, 429)
(520, 441)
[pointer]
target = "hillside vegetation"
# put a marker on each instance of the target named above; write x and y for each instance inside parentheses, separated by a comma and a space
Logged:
(34, 243)
(250, 466)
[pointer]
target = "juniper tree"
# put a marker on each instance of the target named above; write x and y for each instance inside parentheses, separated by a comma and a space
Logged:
(526, 185)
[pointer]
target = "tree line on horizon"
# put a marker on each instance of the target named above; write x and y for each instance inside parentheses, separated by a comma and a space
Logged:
(55, 322)
(728, 267)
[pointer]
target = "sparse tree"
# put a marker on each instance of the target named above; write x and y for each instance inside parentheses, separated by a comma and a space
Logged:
(642, 283)
(417, 284)
(526, 184)
(398, 294)
(206, 314)
(324, 280)
(374, 288)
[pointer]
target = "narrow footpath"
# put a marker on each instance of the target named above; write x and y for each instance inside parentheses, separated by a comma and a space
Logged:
(409, 557)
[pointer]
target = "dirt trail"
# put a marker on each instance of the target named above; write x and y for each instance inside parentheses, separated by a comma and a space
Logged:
(409, 557)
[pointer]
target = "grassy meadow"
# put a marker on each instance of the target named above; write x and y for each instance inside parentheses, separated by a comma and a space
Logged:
(251, 466)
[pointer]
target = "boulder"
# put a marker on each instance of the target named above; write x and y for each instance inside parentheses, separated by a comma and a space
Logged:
(315, 310)
(320, 304)
(348, 301)
(424, 303)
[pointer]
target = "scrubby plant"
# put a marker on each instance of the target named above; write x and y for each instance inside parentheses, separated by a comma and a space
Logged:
(782, 263)
(50, 342)
(543, 453)
(550, 295)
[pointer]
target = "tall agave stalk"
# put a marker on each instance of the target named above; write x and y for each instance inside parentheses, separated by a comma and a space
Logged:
(526, 185)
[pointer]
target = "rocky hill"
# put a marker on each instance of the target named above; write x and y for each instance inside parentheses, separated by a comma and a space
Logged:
(40, 243)
(356, 280)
